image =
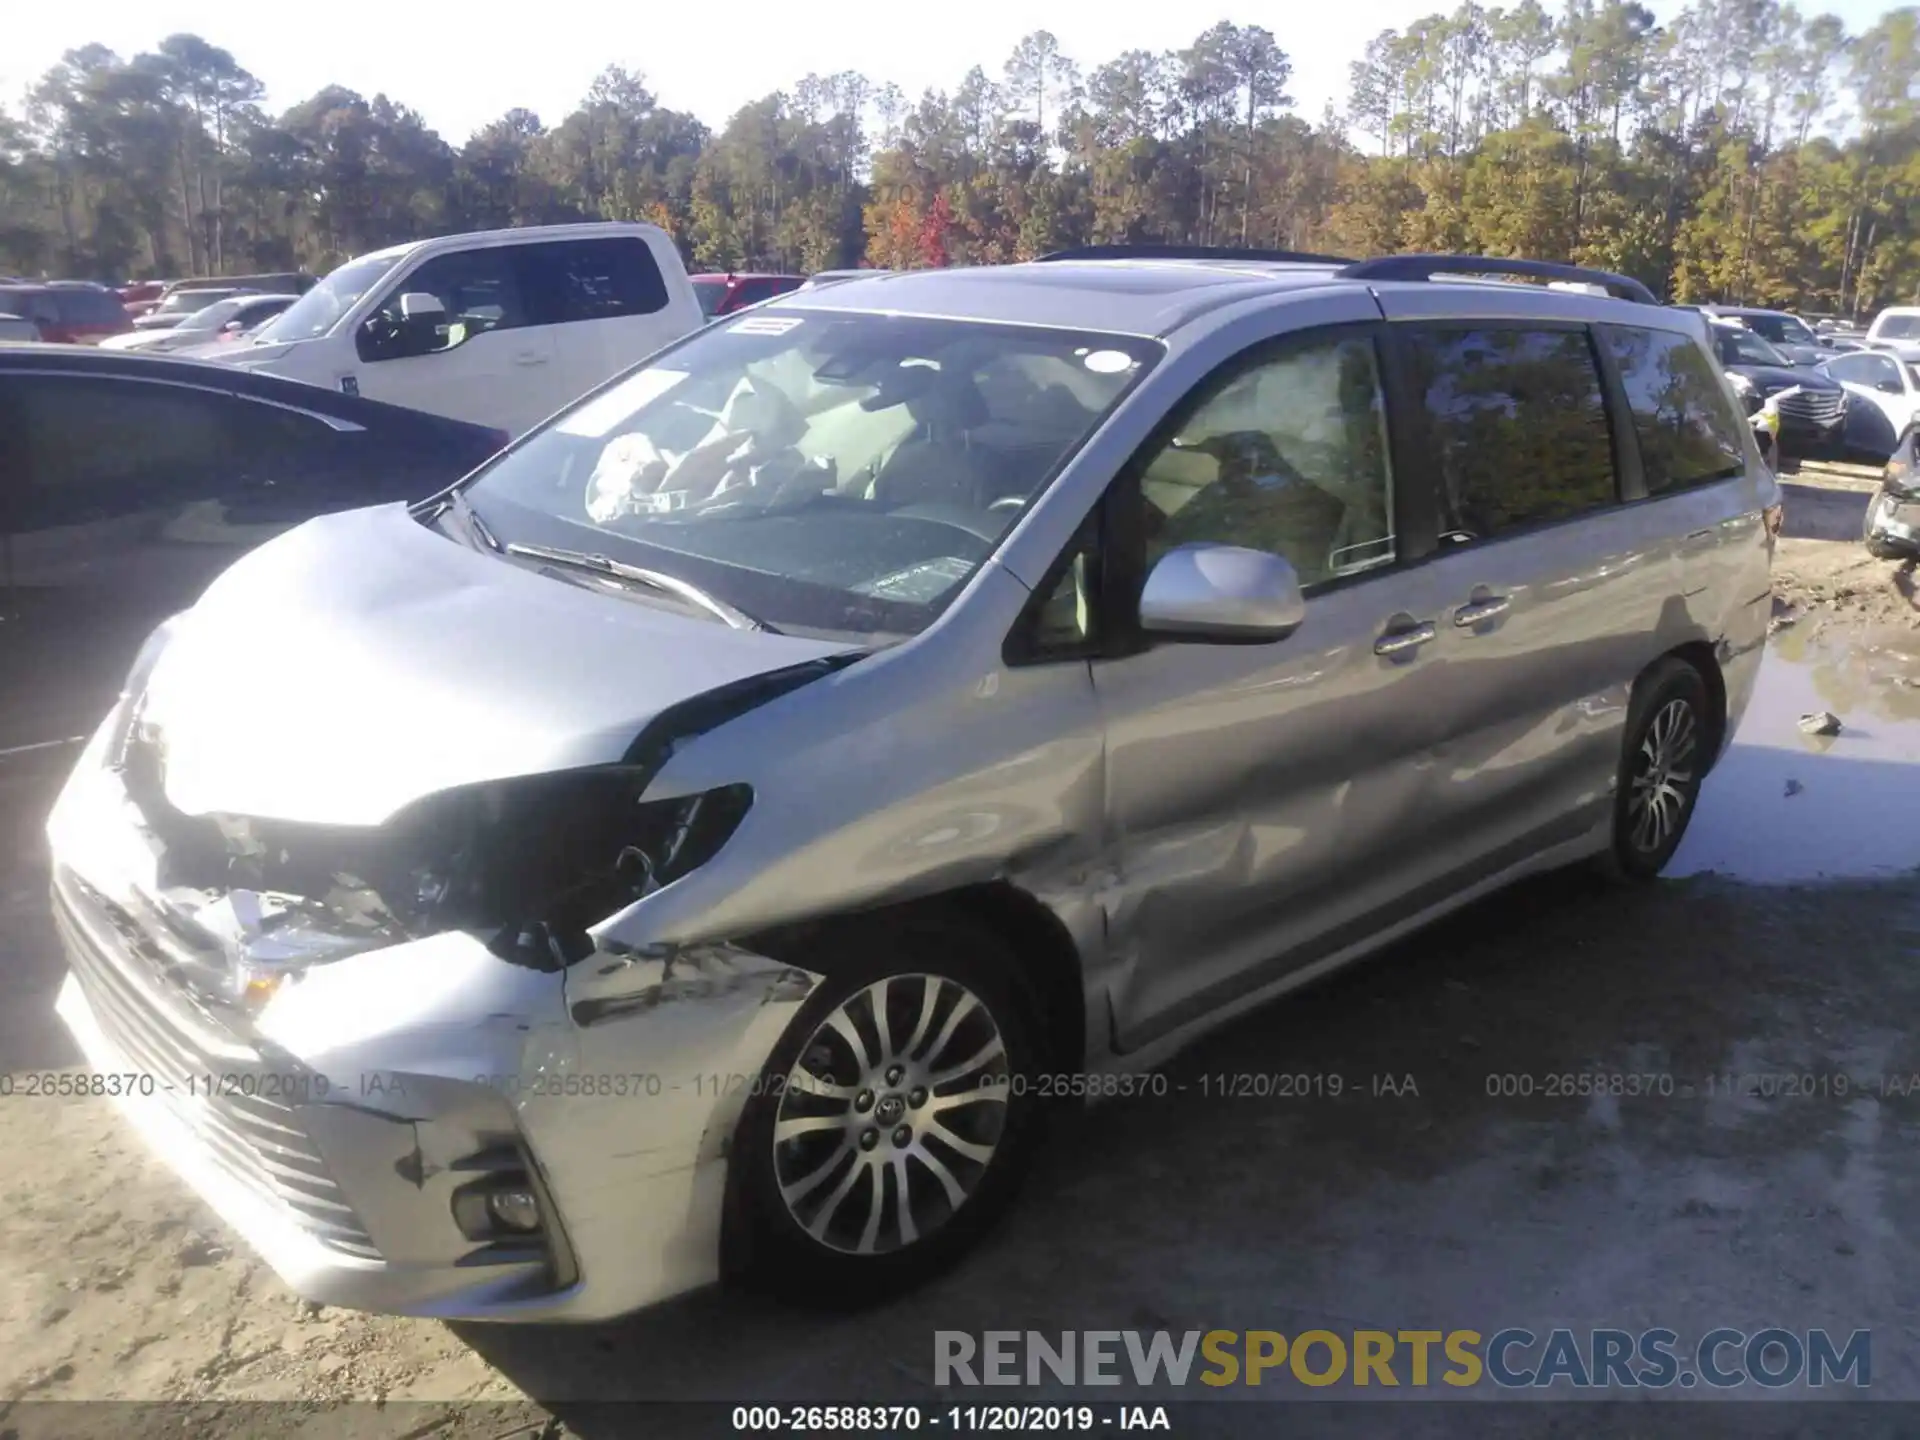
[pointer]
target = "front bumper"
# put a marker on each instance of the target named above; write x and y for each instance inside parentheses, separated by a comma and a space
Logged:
(1894, 520)
(333, 1130)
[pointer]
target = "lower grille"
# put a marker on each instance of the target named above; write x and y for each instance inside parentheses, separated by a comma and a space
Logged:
(222, 1087)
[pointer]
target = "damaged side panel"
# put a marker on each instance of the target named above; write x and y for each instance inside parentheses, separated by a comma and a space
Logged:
(897, 779)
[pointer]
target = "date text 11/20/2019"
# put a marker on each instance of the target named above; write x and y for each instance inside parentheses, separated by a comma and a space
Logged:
(894, 1419)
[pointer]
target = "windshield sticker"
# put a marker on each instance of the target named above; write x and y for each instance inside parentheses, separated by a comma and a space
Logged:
(764, 324)
(1108, 362)
(598, 416)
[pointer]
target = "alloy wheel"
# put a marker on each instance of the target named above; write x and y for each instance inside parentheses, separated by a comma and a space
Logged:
(1663, 777)
(891, 1118)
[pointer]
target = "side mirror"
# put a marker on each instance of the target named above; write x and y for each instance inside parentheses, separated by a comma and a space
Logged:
(1222, 592)
(419, 328)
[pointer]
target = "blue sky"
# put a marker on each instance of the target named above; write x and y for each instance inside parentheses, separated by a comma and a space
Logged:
(463, 65)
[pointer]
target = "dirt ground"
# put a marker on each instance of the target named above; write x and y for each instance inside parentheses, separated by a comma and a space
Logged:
(1689, 1213)
(1822, 573)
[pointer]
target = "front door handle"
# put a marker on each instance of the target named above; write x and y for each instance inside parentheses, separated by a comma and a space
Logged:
(1403, 642)
(530, 357)
(1698, 535)
(1481, 611)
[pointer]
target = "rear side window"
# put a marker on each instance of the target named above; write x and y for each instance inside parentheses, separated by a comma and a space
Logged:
(1518, 424)
(89, 307)
(563, 281)
(1681, 414)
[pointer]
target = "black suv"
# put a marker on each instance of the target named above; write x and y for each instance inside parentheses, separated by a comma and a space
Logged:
(1813, 420)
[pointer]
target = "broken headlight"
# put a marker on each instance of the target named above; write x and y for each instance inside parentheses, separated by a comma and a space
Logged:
(530, 863)
(535, 862)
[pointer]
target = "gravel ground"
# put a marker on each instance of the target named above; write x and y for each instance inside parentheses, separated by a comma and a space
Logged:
(1440, 1208)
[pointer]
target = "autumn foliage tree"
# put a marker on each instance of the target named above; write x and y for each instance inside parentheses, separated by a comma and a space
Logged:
(1736, 150)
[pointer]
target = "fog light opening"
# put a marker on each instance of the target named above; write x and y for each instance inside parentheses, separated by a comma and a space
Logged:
(503, 1207)
(515, 1209)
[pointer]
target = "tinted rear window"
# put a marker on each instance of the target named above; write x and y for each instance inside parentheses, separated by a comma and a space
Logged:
(89, 307)
(562, 281)
(1519, 426)
(1681, 412)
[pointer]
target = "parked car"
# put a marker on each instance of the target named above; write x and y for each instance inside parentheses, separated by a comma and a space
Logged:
(130, 481)
(888, 698)
(16, 329)
(223, 320)
(1896, 322)
(835, 277)
(1885, 391)
(177, 305)
(1893, 519)
(1786, 332)
(501, 327)
(141, 293)
(723, 294)
(1813, 407)
(67, 314)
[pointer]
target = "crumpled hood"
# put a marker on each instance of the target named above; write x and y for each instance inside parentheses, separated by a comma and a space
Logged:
(362, 661)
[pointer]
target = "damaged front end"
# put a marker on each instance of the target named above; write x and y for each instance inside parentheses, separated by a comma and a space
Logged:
(527, 864)
(356, 1041)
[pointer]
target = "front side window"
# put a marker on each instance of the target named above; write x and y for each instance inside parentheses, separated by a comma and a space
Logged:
(1289, 456)
(563, 281)
(477, 291)
(1519, 426)
(326, 304)
(824, 472)
(1686, 427)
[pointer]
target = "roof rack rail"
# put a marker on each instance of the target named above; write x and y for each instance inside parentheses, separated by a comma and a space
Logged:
(1152, 251)
(1425, 267)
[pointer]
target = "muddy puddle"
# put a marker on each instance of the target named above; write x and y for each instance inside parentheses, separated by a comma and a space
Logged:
(1785, 806)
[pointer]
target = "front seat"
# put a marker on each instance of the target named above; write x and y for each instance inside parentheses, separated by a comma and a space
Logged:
(938, 464)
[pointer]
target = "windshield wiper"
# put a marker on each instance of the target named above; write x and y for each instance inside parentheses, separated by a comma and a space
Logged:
(470, 517)
(653, 579)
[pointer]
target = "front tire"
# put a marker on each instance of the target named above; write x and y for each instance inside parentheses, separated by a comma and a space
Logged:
(1669, 728)
(893, 1122)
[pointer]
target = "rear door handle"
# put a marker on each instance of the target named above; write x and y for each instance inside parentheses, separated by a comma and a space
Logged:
(1706, 534)
(530, 357)
(1403, 642)
(1481, 611)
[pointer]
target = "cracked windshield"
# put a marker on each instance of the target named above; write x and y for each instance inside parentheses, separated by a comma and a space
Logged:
(824, 473)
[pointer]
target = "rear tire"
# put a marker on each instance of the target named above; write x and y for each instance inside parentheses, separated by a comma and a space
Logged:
(1665, 755)
(871, 1157)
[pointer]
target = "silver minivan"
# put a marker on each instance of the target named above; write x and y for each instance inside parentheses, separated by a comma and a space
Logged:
(707, 836)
